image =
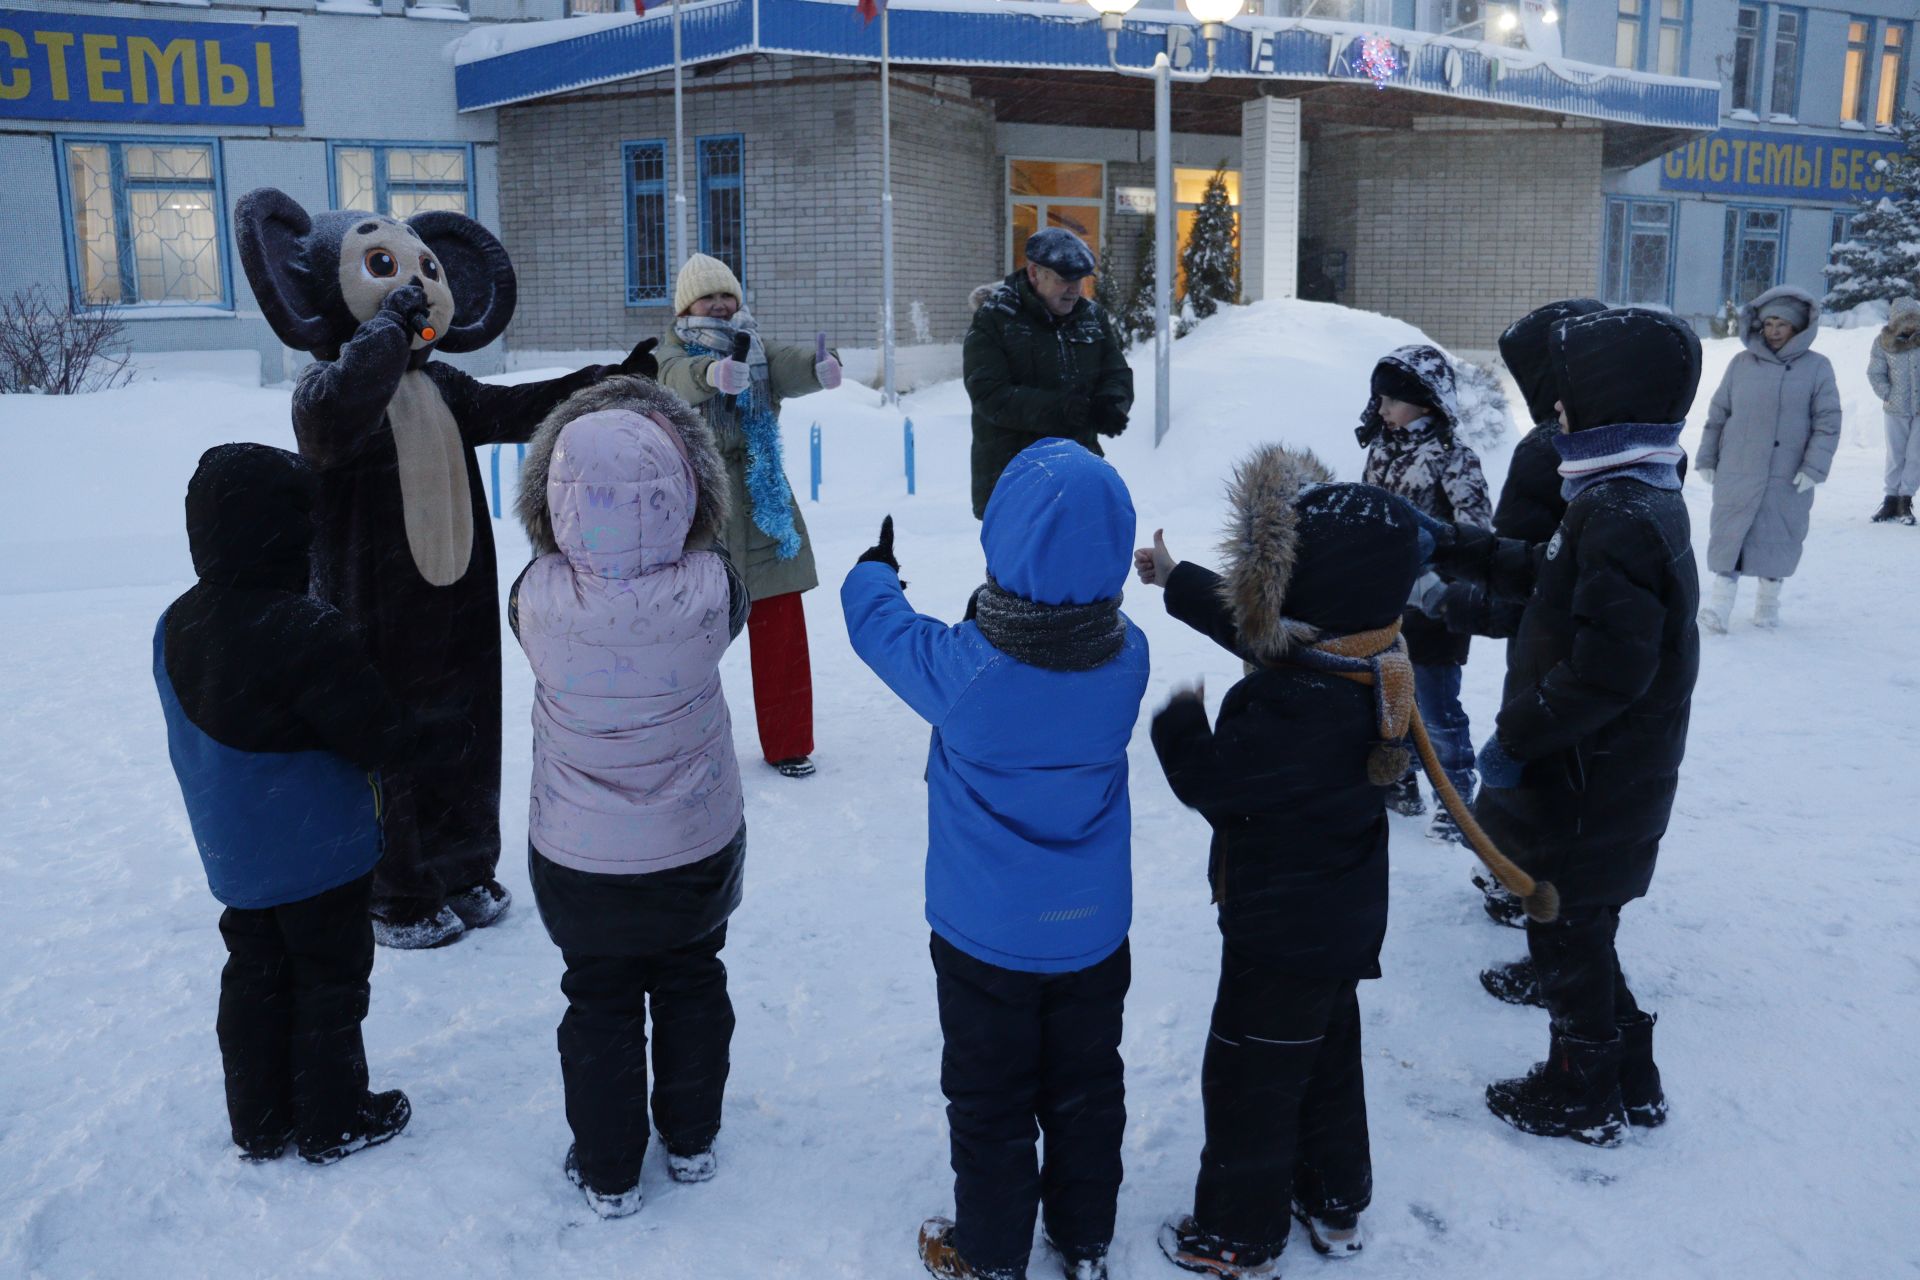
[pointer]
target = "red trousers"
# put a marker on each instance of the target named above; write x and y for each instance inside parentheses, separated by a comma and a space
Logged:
(782, 677)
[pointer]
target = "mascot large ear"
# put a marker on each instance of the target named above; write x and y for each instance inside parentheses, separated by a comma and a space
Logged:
(271, 229)
(476, 270)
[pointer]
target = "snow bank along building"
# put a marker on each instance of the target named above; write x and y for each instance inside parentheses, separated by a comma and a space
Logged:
(1413, 157)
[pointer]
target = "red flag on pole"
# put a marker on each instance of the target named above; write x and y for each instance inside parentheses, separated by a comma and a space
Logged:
(640, 6)
(870, 9)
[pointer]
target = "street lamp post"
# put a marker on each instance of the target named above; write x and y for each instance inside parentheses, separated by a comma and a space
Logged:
(1213, 16)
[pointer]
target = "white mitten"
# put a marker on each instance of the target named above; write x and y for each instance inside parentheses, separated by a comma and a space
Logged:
(828, 371)
(729, 377)
(1705, 474)
(1804, 482)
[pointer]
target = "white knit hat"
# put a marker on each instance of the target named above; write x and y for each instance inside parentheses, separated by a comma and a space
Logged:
(701, 276)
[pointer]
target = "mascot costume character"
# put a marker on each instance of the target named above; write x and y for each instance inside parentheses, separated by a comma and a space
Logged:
(402, 543)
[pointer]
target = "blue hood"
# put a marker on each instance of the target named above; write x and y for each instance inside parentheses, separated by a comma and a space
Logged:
(1059, 527)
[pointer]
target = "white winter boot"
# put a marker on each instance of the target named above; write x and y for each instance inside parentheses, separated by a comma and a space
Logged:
(1715, 614)
(1766, 609)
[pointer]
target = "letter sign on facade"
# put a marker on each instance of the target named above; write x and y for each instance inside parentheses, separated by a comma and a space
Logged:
(1744, 163)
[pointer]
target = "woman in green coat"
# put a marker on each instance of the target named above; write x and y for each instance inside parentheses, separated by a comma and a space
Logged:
(764, 533)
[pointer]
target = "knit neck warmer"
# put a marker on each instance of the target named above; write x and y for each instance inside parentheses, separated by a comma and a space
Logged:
(1053, 637)
(768, 492)
(1417, 434)
(1377, 658)
(1645, 451)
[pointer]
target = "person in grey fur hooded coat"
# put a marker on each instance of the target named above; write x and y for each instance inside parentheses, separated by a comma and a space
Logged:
(636, 839)
(1770, 436)
(1893, 370)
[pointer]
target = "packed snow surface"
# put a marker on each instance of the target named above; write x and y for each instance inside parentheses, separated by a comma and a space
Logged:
(1778, 945)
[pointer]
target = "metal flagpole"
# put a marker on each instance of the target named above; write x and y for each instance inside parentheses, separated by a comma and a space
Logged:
(1162, 247)
(679, 149)
(887, 393)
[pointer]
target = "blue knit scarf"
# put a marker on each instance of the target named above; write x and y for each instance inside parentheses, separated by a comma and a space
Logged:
(1645, 451)
(768, 492)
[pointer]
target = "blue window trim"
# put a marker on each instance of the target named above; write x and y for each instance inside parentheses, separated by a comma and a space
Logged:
(1771, 19)
(1743, 208)
(1612, 290)
(1650, 36)
(628, 186)
(707, 183)
(382, 189)
(1906, 61)
(223, 242)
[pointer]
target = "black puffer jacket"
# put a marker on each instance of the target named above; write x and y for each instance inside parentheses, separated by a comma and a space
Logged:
(1601, 672)
(1298, 861)
(1031, 374)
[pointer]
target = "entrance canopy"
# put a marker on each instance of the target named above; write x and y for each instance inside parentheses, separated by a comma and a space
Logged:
(1644, 115)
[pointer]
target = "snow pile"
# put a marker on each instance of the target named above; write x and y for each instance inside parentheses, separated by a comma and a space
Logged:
(1777, 946)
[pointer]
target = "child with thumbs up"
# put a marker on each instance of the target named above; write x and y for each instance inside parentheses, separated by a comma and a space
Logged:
(715, 359)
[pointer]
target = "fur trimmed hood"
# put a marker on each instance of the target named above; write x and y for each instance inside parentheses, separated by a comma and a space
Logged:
(1304, 557)
(686, 428)
(1902, 331)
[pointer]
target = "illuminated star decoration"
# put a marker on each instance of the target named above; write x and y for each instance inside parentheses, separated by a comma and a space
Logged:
(1377, 60)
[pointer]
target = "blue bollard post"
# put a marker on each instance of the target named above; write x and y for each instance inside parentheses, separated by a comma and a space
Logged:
(909, 435)
(813, 441)
(496, 482)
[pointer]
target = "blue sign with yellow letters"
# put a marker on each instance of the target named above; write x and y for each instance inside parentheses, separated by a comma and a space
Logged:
(70, 66)
(1742, 162)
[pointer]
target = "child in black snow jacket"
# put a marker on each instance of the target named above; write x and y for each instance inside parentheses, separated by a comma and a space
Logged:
(1410, 428)
(276, 723)
(1582, 768)
(1293, 781)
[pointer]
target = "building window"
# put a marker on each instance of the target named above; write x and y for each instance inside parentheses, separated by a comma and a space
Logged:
(1893, 72)
(1785, 99)
(144, 222)
(1671, 56)
(1753, 252)
(723, 232)
(1839, 230)
(1189, 189)
(403, 180)
(649, 257)
(1853, 84)
(1626, 34)
(1054, 193)
(1746, 60)
(578, 7)
(1638, 265)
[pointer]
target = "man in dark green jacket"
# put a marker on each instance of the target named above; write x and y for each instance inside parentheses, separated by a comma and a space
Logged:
(1043, 360)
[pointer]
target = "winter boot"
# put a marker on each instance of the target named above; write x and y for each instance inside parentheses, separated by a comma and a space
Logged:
(1715, 615)
(1639, 1078)
(1889, 509)
(608, 1204)
(1191, 1249)
(1404, 797)
(1502, 906)
(1766, 609)
(266, 1147)
(1443, 829)
(380, 1118)
(1515, 983)
(1079, 1264)
(1574, 1094)
(942, 1258)
(480, 905)
(700, 1166)
(1906, 511)
(414, 924)
(1334, 1236)
(795, 767)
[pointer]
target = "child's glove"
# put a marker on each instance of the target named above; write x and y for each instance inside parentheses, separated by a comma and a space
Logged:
(1195, 693)
(1107, 416)
(1803, 483)
(1436, 535)
(1427, 591)
(881, 552)
(828, 371)
(1497, 768)
(1075, 412)
(729, 376)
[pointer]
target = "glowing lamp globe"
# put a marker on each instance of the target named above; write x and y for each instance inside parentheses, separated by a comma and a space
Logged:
(1115, 7)
(1214, 11)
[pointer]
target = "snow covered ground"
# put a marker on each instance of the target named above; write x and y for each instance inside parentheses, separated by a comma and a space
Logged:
(1779, 945)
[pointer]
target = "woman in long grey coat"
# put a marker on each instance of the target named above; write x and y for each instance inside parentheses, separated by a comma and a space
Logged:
(1770, 437)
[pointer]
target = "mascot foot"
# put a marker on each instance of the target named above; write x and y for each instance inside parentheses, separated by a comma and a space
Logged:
(480, 905)
(411, 924)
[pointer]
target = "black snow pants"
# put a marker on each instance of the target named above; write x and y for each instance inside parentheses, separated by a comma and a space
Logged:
(638, 946)
(1025, 1050)
(1580, 978)
(1286, 1105)
(292, 997)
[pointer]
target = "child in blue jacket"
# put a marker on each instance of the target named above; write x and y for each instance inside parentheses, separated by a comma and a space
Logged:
(276, 724)
(1029, 877)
